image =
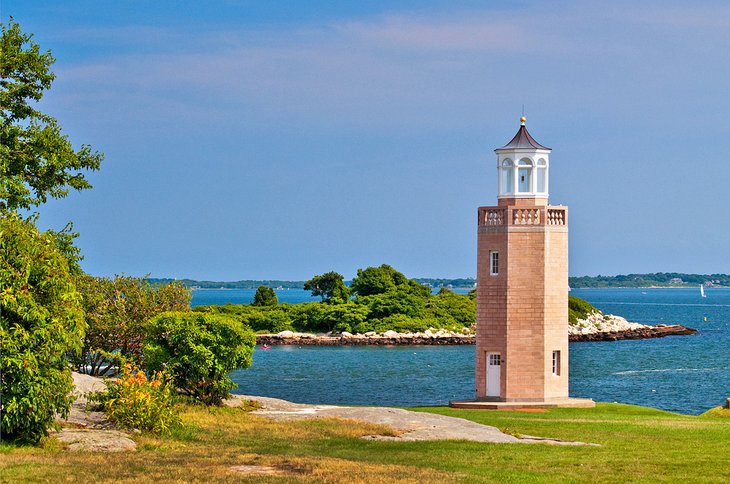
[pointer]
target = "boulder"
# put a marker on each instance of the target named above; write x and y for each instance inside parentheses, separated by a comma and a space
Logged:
(390, 334)
(285, 334)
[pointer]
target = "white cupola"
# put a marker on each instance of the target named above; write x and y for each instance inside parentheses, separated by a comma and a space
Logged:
(522, 167)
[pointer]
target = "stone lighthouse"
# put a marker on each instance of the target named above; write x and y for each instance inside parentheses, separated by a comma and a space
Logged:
(522, 286)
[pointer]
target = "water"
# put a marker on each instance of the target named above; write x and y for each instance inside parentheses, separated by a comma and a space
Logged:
(218, 297)
(686, 374)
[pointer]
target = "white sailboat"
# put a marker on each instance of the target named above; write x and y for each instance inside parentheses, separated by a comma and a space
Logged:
(702, 290)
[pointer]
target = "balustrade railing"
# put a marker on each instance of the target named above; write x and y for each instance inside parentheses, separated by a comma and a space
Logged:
(500, 216)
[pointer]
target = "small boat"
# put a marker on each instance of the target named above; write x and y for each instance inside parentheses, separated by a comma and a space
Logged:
(702, 290)
(265, 347)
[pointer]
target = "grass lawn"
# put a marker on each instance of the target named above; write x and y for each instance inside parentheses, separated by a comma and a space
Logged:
(636, 444)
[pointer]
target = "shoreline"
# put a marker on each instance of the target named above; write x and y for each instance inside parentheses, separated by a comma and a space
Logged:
(391, 338)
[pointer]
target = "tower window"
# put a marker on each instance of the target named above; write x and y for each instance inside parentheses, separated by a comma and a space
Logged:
(524, 176)
(541, 176)
(507, 178)
(556, 363)
(494, 263)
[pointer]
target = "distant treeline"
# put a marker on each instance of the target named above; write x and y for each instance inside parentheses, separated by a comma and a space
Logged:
(251, 284)
(247, 284)
(663, 279)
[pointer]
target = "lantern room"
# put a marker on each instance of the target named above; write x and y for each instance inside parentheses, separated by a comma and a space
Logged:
(522, 167)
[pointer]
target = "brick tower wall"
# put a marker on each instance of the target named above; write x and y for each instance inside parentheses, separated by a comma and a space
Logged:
(522, 312)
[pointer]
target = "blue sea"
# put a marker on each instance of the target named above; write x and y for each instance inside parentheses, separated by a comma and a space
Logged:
(685, 374)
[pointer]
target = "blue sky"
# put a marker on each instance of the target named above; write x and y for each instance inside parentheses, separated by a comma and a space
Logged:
(258, 139)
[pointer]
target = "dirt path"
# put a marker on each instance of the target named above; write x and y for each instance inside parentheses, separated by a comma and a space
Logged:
(413, 425)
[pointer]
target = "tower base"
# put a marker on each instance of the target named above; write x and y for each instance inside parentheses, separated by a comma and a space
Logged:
(518, 405)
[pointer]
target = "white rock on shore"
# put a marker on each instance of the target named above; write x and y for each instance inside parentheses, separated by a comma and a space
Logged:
(600, 323)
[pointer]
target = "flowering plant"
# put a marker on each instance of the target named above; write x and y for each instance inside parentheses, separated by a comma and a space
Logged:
(135, 401)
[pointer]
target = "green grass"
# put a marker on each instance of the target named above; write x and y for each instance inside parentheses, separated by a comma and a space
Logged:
(636, 444)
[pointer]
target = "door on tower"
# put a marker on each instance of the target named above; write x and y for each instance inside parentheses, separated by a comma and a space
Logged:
(494, 374)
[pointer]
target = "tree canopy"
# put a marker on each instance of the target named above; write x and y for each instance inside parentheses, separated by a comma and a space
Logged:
(37, 160)
(265, 296)
(41, 321)
(330, 286)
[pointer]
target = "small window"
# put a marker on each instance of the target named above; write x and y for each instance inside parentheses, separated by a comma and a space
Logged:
(495, 359)
(494, 263)
(507, 179)
(541, 176)
(556, 362)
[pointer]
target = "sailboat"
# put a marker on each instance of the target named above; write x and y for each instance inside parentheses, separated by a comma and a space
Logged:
(702, 290)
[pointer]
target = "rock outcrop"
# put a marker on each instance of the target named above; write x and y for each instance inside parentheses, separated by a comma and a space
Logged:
(600, 327)
(428, 337)
(596, 327)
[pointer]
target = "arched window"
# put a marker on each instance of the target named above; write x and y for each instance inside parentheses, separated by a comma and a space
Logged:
(541, 176)
(507, 177)
(524, 176)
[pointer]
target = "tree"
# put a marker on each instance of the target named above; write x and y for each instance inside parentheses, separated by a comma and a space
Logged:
(199, 350)
(330, 286)
(116, 312)
(265, 296)
(41, 321)
(36, 160)
(384, 279)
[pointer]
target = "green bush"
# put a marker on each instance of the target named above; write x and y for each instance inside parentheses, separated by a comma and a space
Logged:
(269, 321)
(41, 321)
(579, 309)
(198, 350)
(135, 402)
(322, 318)
(451, 310)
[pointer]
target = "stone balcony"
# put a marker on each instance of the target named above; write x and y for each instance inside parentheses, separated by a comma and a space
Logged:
(515, 215)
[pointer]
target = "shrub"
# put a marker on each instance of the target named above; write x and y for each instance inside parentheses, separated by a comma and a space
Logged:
(136, 402)
(41, 320)
(271, 321)
(579, 309)
(451, 309)
(316, 317)
(198, 350)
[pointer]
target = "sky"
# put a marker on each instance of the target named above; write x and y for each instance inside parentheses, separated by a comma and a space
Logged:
(278, 140)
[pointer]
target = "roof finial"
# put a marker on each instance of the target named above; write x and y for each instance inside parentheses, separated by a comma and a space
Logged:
(522, 120)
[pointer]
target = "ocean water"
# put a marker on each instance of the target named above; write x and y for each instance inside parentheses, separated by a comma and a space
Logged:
(685, 374)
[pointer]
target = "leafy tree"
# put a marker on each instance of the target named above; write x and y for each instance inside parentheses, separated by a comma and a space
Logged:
(385, 279)
(330, 286)
(36, 160)
(116, 312)
(199, 350)
(265, 296)
(41, 320)
(377, 280)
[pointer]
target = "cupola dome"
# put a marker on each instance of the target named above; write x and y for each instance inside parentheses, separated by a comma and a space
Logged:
(522, 166)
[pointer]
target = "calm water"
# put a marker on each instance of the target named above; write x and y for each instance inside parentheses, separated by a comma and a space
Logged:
(687, 374)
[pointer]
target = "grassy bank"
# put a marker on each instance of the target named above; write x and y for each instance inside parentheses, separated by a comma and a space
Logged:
(636, 444)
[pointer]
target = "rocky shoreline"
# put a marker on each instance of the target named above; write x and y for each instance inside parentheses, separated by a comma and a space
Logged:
(596, 327)
(608, 327)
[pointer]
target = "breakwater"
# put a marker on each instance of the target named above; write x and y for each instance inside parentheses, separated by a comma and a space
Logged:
(442, 337)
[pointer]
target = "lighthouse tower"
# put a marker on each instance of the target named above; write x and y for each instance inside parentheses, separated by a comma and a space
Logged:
(522, 284)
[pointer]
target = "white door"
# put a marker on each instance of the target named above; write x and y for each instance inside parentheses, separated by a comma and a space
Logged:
(494, 373)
